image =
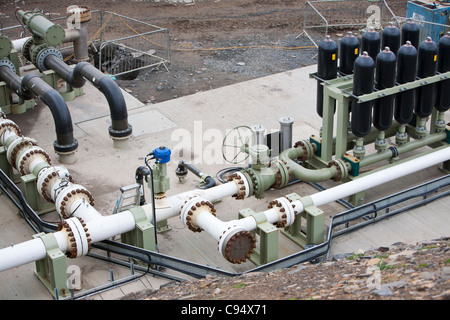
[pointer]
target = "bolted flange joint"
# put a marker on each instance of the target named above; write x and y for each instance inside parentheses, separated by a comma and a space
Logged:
(342, 168)
(192, 208)
(51, 181)
(242, 185)
(67, 196)
(77, 237)
(236, 244)
(286, 211)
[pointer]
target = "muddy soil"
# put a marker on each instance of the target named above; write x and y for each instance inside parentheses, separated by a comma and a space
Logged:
(214, 43)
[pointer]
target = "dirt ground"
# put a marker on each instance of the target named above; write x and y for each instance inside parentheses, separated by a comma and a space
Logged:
(204, 25)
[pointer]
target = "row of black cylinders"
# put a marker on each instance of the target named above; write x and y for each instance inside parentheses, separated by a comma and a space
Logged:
(375, 69)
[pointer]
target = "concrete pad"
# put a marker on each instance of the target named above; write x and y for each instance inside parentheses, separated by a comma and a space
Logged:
(193, 127)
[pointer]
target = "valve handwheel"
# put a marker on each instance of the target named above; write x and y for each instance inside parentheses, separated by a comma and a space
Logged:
(234, 151)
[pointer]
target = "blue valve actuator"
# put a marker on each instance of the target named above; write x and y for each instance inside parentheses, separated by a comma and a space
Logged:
(162, 154)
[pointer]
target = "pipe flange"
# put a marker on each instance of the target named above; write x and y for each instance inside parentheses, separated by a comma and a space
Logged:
(282, 176)
(236, 244)
(16, 147)
(35, 51)
(67, 196)
(341, 168)
(77, 237)
(83, 13)
(51, 181)
(286, 211)
(192, 208)
(7, 63)
(27, 156)
(6, 124)
(308, 149)
(242, 185)
(117, 134)
(26, 49)
(40, 60)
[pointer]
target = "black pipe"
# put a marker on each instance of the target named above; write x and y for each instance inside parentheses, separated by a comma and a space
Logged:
(52, 62)
(181, 171)
(65, 142)
(33, 85)
(14, 83)
(119, 116)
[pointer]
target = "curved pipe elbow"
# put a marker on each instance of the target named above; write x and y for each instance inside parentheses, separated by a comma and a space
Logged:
(119, 115)
(302, 173)
(65, 141)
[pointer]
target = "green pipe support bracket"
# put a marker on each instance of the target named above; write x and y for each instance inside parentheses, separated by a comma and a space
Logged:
(354, 164)
(315, 224)
(34, 199)
(143, 235)
(268, 236)
(52, 270)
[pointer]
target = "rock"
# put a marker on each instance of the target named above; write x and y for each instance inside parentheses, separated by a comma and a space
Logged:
(426, 275)
(383, 292)
(342, 256)
(397, 284)
(373, 262)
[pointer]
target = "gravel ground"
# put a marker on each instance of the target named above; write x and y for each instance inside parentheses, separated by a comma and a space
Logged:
(419, 271)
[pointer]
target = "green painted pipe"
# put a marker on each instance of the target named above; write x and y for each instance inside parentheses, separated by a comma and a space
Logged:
(302, 173)
(40, 26)
(401, 149)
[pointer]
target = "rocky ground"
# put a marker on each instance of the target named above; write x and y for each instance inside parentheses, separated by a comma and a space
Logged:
(401, 271)
(213, 43)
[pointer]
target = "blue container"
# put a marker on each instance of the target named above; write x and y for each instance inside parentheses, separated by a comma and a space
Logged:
(428, 11)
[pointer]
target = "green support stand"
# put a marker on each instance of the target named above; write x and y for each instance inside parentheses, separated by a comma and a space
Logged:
(52, 270)
(34, 199)
(143, 236)
(315, 224)
(268, 238)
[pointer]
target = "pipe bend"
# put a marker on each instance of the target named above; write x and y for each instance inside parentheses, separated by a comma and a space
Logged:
(302, 173)
(119, 115)
(65, 142)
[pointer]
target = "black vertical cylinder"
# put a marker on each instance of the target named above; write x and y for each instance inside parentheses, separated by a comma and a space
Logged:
(391, 37)
(426, 67)
(326, 68)
(361, 118)
(411, 33)
(371, 42)
(383, 108)
(443, 87)
(349, 51)
(406, 72)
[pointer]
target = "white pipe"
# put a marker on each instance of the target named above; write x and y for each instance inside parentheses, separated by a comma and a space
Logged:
(380, 177)
(18, 43)
(170, 207)
(102, 228)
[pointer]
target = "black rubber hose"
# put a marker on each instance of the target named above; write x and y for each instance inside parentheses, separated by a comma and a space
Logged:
(209, 181)
(65, 142)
